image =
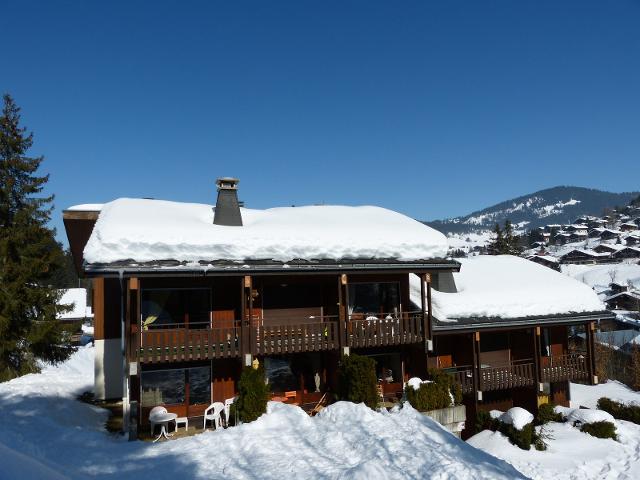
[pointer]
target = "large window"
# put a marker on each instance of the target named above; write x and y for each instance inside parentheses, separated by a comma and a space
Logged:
(374, 298)
(175, 307)
(177, 386)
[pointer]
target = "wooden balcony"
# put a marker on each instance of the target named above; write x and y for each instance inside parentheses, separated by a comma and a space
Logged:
(560, 368)
(180, 342)
(463, 376)
(512, 375)
(384, 329)
(300, 337)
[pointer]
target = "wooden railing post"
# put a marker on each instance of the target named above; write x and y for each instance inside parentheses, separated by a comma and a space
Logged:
(477, 375)
(536, 359)
(343, 311)
(591, 352)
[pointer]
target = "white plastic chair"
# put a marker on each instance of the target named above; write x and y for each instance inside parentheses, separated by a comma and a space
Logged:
(213, 413)
(155, 411)
(227, 409)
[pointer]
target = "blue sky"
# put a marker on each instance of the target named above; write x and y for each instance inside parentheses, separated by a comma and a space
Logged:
(433, 109)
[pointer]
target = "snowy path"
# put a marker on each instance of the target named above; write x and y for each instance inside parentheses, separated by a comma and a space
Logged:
(46, 433)
(571, 453)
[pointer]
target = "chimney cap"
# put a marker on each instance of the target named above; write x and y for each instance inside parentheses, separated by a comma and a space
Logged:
(227, 183)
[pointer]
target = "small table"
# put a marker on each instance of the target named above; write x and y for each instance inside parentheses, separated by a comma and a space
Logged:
(163, 419)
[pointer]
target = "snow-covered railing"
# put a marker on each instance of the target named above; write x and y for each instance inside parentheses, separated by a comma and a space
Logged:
(384, 329)
(559, 368)
(516, 374)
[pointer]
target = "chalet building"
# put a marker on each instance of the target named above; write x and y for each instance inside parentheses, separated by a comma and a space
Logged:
(608, 248)
(625, 300)
(583, 256)
(607, 234)
(626, 252)
(617, 287)
(562, 238)
(632, 240)
(546, 260)
(185, 295)
(628, 227)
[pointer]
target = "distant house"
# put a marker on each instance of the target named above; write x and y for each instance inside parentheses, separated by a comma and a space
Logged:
(628, 227)
(624, 301)
(546, 260)
(77, 298)
(617, 288)
(609, 234)
(627, 252)
(580, 229)
(608, 248)
(632, 240)
(562, 238)
(583, 256)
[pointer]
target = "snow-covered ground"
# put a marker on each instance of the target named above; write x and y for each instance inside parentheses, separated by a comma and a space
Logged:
(47, 433)
(600, 276)
(572, 454)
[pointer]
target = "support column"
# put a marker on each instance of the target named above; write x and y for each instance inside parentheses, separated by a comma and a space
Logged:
(246, 343)
(343, 306)
(536, 359)
(425, 291)
(132, 343)
(477, 377)
(591, 353)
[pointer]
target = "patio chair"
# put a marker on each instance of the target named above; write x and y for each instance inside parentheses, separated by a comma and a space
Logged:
(153, 414)
(213, 413)
(227, 409)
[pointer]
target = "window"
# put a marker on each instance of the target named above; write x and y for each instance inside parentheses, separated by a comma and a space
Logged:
(174, 307)
(374, 298)
(163, 387)
(176, 386)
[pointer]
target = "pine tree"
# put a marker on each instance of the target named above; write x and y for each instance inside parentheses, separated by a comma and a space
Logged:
(497, 245)
(29, 254)
(512, 242)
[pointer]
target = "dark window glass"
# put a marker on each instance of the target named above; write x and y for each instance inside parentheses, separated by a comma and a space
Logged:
(166, 307)
(199, 386)
(163, 387)
(374, 298)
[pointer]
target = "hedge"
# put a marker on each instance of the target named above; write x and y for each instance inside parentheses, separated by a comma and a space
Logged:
(546, 414)
(435, 394)
(630, 413)
(358, 381)
(253, 395)
(600, 429)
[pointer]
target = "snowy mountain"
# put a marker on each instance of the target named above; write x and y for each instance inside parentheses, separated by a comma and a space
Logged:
(553, 205)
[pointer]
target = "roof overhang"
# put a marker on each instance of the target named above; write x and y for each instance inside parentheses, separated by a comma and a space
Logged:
(497, 323)
(301, 267)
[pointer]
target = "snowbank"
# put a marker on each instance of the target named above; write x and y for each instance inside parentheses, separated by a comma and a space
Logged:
(584, 415)
(149, 230)
(516, 416)
(588, 395)
(509, 287)
(77, 298)
(43, 421)
(600, 276)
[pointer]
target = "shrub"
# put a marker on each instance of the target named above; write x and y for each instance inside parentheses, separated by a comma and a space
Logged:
(547, 414)
(485, 422)
(630, 413)
(600, 429)
(357, 380)
(520, 438)
(253, 395)
(436, 394)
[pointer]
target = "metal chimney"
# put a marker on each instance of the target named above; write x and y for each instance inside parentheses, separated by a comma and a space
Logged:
(227, 208)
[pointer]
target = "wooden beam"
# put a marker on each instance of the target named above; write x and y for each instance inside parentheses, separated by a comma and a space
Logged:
(591, 352)
(476, 367)
(536, 356)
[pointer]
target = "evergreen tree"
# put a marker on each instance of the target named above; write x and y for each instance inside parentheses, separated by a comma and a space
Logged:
(497, 245)
(512, 242)
(29, 254)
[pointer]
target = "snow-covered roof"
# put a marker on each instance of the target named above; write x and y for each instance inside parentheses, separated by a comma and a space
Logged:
(548, 258)
(77, 298)
(509, 287)
(143, 230)
(587, 252)
(86, 207)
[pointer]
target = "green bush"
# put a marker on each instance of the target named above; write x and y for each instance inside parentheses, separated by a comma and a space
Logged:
(357, 380)
(600, 429)
(630, 413)
(253, 395)
(485, 422)
(547, 414)
(435, 394)
(520, 438)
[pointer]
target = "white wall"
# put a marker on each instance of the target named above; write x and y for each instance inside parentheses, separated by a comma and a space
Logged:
(108, 369)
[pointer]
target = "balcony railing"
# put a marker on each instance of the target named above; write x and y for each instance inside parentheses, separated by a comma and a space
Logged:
(384, 329)
(565, 367)
(462, 375)
(318, 335)
(515, 374)
(182, 342)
